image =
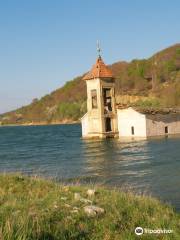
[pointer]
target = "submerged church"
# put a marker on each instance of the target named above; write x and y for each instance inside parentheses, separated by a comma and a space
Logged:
(104, 119)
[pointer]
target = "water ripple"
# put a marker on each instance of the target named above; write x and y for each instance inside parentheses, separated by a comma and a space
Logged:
(145, 166)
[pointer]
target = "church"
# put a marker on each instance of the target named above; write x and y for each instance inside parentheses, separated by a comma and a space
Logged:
(105, 119)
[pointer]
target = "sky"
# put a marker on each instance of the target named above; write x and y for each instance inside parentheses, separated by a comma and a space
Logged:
(44, 43)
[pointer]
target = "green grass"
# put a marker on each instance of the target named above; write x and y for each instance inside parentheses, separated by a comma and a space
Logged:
(149, 103)
(34, 208)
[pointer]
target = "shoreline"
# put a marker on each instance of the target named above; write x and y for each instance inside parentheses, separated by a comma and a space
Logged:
(40, 124)
(72, 211)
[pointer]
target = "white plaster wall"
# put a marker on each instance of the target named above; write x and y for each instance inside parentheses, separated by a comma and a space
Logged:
(94, 125)
(93, 121)
(128, 118)
(114, 123)
(156, 126)
(84, 125)
(90, 126)
(91, 85)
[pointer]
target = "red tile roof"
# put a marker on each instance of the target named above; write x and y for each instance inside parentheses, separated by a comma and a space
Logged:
(99, 70)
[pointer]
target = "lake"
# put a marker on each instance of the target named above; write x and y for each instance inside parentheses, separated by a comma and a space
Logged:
(149, 166)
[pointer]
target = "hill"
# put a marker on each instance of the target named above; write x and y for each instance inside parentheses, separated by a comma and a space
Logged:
(152, 82)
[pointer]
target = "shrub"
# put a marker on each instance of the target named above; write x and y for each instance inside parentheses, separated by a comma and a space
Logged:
(148, 103)
(70, 110)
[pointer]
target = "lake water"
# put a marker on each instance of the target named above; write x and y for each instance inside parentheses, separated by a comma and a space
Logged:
(151, 167)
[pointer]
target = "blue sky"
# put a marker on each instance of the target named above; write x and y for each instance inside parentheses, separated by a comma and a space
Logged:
(44, 43)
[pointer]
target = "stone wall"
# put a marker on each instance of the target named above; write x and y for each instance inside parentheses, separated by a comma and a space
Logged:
(156, 124)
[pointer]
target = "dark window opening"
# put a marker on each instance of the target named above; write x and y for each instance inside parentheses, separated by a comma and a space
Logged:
(94, 98)
(108, 125)
(107, 99)
(132, 130)
(166, 129)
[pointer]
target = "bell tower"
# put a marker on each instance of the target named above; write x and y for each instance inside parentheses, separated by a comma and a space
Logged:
(100, 119)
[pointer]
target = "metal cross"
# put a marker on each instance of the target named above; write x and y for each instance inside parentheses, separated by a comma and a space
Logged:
(98, 49)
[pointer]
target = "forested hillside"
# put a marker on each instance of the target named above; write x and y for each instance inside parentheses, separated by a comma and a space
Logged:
(152, 82)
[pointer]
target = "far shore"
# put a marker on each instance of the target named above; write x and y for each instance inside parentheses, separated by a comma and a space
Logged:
(41, 123)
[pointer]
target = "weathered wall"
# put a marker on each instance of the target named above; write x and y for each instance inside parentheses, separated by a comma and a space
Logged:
(128, 118)
(148, 125)
(84, 125)
(156, 124)
(91, 85)
(94, 115)
(93, 123)
(89, 126)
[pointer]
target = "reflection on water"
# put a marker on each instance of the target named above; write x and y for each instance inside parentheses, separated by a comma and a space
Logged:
(151, 166)
(111, 159)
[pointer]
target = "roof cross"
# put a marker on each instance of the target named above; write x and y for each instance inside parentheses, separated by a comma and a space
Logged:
(98, 49)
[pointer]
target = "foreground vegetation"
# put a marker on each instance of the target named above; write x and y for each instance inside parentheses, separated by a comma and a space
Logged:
(33, 208)
(156, 78)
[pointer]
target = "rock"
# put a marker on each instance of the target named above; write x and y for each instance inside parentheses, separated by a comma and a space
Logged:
(64, 198)
(89, 211)
(91, 192)
(77, 196)
(92, 210)
(67, 205)
(84, 200)
(74, 211)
